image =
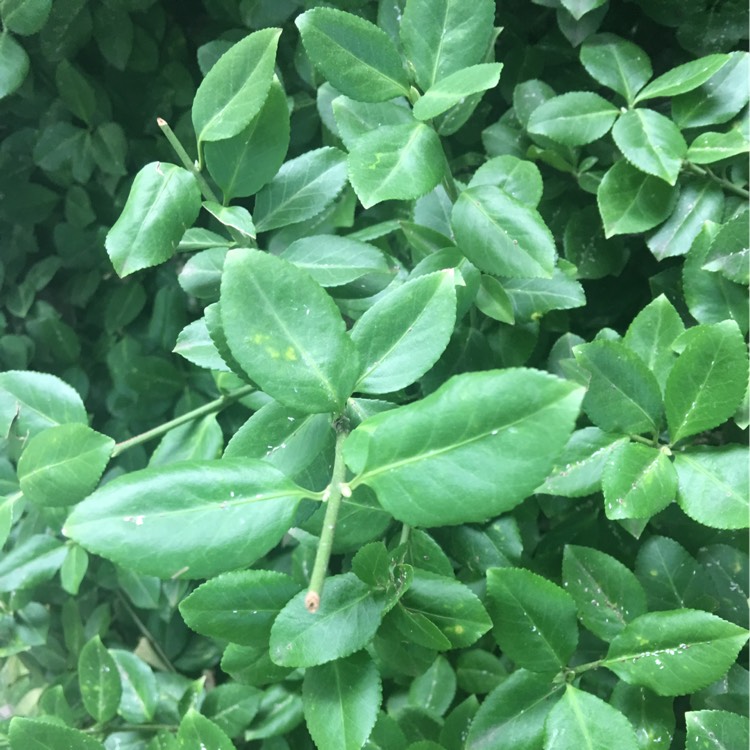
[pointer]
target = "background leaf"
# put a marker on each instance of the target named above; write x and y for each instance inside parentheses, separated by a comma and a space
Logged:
(573, 119)
(99, 681)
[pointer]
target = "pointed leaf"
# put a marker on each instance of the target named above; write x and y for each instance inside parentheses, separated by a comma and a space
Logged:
(719, 730)
(396, 162)
(708, 148)
(469, 451)
(62, 465)
(234, 90)
(358, 59)
(518, 178)
(439, 37)
(582, 721)
(502, 236)
(248, 505)
(651, 335)
(14, 64)
(578, 471)
(243, 164)
(31, 562)
(239, 607)
(651, 143)
(729, 251)
(341, 701)
(435, 688)
(99, 681)
(139, 688)
(534, 619)
(334, 261)
(631, 201)
(298, 353)
(302, 188)
(513, 714)
(713, 485)
(196, 731)
(616, 63)
(163, 202)
(533, 298)
(675, 652)
(606, 592)
(25, 17)
(684, 77)
(707, 382)
(573, 119)
(623, 395)
(452, 89)
(638, 482)
(355, 119)
(346, 621)
(195, 344)
(42, 735)
(403, 334)
(233, 217)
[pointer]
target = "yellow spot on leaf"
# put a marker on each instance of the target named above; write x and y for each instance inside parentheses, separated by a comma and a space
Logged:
(290, 354)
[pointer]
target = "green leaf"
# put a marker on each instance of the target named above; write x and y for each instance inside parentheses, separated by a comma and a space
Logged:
(239, 607)
(200, 277)
(708, 381)
(638, 482)
(651, 335)
(36, 734)
(578, 471)
(675, 652)
(358, 59)
(404, 333)
(14, 64)
(728, 254)
(249, 505)
(607, 594)
(700, 200)
(708, 148)
(234, 90)
(451, 606)
(302, 189)
(573, 119)
(61, 465)
(710, 296)
(99, 681)
(31, 562)
(346, 621)
(298, 353)
(195, 344)
(355, 119)
(718, 99)
(435, 688)
(501, 235)
(334, 261)
(586, 247)
(652, 716)
(518, 178)
(533, 298)
(232, 707)
(684, 77)
(341, 701)
(623, 395)
(452, 89)
(25, 17)
(479, 671)
(488, 436)
(494, 301)
(440, 38)
(73, 569)
(728, 573)
(616, 63)
(713, 485)
(233, 217)
(651, 143)
(243, 164)
(512, 716)
(630, 201)
(196, 731)
(139, 687)
(579, 8)
(534, 619)
(252, 665)
(721, 730)
(581, 720)
(76, 92)
(163, 202)
(35, 401)
(396, 162)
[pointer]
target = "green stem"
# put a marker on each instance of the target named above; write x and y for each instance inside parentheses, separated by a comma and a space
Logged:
(405, 532)
(187, 162)
(450, 184)
(336, 490)
(581, 668)
(645, 441)
(726, 184)
(209, 408)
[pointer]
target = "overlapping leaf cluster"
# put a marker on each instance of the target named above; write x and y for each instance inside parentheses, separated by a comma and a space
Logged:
(451, 444)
